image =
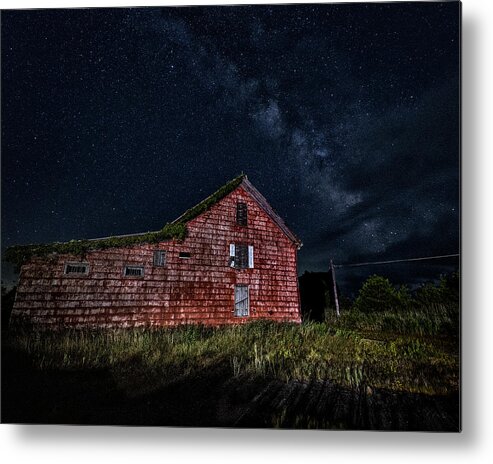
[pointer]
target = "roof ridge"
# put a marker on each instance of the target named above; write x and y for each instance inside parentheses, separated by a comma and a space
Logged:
(211, 200)
(218, 195)
(265, 205)
(223, 191)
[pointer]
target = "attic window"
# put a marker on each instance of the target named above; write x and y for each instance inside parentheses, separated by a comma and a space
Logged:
(77, 268)
(133, 271)
(159, 258)
(241, 214)
(184, 254)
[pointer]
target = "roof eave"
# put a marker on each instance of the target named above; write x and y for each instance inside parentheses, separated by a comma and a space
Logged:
(265, 205)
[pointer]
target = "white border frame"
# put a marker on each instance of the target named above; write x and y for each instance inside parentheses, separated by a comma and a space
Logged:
(57, 444)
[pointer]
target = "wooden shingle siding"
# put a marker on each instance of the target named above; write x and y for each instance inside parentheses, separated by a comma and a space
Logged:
(200, 289)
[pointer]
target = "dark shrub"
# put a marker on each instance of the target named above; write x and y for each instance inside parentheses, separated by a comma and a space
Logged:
(378, 294)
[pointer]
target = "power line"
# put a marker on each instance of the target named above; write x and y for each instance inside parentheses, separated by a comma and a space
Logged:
(397, 260)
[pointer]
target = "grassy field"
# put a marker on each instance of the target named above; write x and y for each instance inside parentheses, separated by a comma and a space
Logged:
(258, 374)
(391, 361)
(412, 352)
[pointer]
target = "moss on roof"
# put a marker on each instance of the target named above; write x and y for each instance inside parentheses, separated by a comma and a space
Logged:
(20, 254)
(210, 201)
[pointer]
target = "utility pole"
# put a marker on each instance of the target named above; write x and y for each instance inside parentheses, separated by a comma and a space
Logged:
(336, 299)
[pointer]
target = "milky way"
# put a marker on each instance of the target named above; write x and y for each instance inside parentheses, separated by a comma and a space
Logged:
(346, 117)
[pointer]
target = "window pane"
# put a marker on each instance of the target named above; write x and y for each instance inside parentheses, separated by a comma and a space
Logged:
(134, 271)
(241, 214)
(76, 268)
(159, 258)
(241, 258)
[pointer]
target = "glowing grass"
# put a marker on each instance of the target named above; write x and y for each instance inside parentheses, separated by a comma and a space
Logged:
(350, 353)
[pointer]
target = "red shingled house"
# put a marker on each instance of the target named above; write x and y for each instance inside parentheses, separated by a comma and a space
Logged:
(230, 259)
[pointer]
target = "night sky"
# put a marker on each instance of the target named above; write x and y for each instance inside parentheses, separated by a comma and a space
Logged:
(346, 118)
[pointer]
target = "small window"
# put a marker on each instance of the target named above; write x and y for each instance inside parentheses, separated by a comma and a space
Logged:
(184, 254)
(159, 258)
(241, 214)
(77, 268)
(134, 271)
(241, 256)
(242, 301)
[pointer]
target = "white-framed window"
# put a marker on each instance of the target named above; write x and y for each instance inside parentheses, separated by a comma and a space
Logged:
(184, 255)
(133, 271)
(76, 269)
(241, 256)
(159, 258)
(242, 301)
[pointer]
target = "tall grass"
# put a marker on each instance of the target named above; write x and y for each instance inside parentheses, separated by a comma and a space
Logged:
(388, 350)
(436, 319)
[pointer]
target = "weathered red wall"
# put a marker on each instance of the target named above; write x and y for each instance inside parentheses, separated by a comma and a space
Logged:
(195, 290)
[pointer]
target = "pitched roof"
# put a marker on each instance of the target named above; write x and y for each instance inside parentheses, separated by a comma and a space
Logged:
(240, 181)
(177, 229)
(211, 200)
(264, 204)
